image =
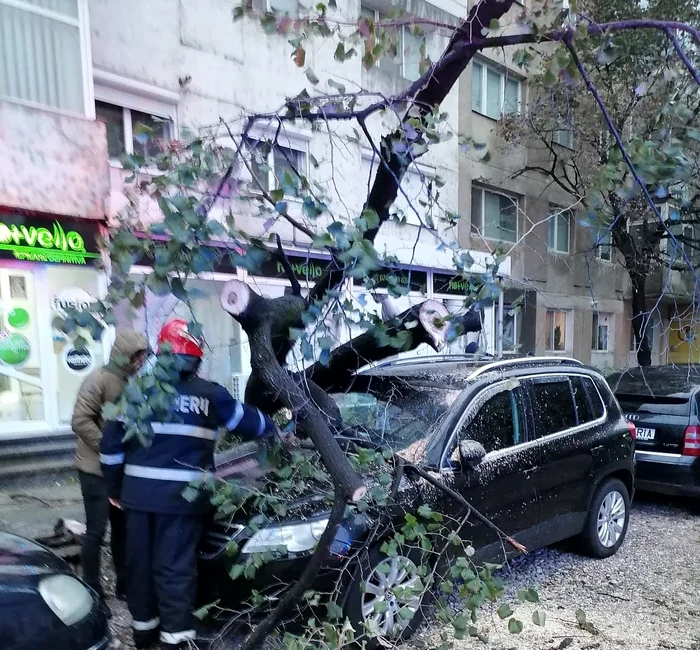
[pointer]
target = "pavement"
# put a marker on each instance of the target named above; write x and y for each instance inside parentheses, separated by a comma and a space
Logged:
(33, 512)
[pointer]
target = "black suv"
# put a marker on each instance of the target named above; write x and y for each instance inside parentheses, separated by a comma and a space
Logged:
(664, 404)
(557, 462)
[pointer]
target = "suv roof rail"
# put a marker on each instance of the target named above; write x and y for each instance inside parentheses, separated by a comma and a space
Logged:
(464, 356)
(530, 361)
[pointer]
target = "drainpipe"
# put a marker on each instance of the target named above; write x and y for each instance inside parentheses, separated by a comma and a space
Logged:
(499, 327)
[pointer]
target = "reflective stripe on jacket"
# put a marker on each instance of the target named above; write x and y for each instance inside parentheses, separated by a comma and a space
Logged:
(153, 478)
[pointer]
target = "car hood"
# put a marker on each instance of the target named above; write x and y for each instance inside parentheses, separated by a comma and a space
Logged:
(23, 562)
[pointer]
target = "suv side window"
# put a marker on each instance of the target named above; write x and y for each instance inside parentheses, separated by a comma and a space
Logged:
(498, 423)
(553, 405)
(589, 406)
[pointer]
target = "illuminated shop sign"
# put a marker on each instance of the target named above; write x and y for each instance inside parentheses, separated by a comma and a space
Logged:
(42, 240)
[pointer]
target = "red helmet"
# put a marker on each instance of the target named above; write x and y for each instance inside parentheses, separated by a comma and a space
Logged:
(181, 341)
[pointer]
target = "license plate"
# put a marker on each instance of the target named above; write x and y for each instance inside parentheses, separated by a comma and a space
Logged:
(645, 434)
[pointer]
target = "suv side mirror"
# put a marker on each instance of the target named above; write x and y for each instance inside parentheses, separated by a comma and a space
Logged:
(471, 453)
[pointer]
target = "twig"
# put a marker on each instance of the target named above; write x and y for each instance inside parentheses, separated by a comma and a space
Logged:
(284, 261)
(458, 497)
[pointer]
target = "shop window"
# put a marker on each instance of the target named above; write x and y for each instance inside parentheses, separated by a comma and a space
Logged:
(601, 332)
(42, 53)
(406, 63)
(21, 391)
(511, 331)
(559, 230)
(555, 330)
(494, 215)
(275, 167)
(133, 132)
(493, 92)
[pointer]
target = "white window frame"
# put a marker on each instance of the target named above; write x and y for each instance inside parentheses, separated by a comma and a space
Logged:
(378, 16)
(566, 142)
(553, 225)
(567, 342)
(82, 22)
(596, 325)
(502, 89)
(294, 142)
(129, 95)
(482, 230)
(516, 322)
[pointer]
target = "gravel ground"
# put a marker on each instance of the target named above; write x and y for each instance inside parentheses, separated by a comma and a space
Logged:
(647, 596)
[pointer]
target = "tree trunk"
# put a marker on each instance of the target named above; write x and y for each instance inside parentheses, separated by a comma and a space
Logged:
(640, 319)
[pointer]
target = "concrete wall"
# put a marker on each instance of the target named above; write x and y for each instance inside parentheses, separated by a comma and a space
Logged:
(233, 68)
(52, 163)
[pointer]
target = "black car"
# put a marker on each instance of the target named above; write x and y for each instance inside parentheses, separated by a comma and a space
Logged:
(663, 403)
(43, 605)
(557, 462)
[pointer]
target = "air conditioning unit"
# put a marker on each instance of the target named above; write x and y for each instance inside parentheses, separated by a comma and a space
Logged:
(238, 384)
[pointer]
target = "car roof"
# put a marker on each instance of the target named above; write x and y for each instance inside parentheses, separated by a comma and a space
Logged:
(457, 371)
(661, 381)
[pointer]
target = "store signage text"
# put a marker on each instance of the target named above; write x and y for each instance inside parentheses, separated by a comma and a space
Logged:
(411, 279)
(73, 297)
(37, 243)
(450, 284)
(304, 268)
(78, 360)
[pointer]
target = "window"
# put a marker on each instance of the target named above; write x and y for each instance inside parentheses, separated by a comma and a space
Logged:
(554, 408)
(493, 92)
(564, 137)
(511, 332)
(589, 406)
(42, 54)
(555, 330)
(133, 132)
(494, 216)
(603, 249)
(687, 240)
(276, 166)
(406, 63)
(290, 7)
(497, 424)
(558, 230)
(648, 332)
(601, 332)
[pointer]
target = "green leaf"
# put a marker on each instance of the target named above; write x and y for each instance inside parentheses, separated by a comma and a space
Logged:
(580, 617)
(203, 611)
(311, 76)
(539, 618)
(528, 596)
(505, 611)
(494, 24)
(515, 626)
(236, 571)
(335, 611)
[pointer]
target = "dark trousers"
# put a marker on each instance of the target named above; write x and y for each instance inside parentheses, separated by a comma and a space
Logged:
(161, 560)
(97, 511)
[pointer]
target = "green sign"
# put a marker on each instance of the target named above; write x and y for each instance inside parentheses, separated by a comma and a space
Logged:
(18, 318)
(41, 241)
(14, 348)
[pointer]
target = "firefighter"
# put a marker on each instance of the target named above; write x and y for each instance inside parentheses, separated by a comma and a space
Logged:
(163, 528)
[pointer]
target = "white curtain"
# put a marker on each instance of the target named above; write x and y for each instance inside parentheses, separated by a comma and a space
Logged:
(40, 59)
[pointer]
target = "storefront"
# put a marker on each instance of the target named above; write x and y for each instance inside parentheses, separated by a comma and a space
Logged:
(45, 264)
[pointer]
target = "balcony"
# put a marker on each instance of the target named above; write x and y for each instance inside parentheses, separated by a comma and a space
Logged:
(52, 162)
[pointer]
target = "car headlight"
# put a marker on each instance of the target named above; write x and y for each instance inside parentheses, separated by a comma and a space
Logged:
(295, 537)
(66, 597)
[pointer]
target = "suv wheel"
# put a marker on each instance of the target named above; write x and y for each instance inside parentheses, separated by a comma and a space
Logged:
(607, 521)
(386, 592)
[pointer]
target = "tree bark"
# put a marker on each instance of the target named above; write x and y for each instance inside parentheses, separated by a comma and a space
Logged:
(426, 324)
(640, 319)
(257, 318)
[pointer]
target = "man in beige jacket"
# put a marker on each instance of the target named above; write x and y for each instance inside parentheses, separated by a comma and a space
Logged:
(101, 387)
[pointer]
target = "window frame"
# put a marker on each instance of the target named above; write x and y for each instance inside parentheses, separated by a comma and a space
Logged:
(515, 315)
(555, 213)
(566, 347)
(475, 403)
(481, 230)
(299, 146)
(82, 22)
(503, 77)
(529, 382)
(595, 332)
(604, 243)
(130, 95)
(557, 139)
(378, 16)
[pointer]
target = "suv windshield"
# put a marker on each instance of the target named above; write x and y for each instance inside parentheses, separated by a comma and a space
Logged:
(655, 390)
(395, 413)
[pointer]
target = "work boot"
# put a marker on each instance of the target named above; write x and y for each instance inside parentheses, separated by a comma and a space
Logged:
(145, 639)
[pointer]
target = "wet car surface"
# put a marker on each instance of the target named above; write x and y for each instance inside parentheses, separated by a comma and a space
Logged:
(556, 462)
(43, 605)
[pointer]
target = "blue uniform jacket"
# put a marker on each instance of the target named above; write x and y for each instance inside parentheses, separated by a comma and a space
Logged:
(153, 478)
